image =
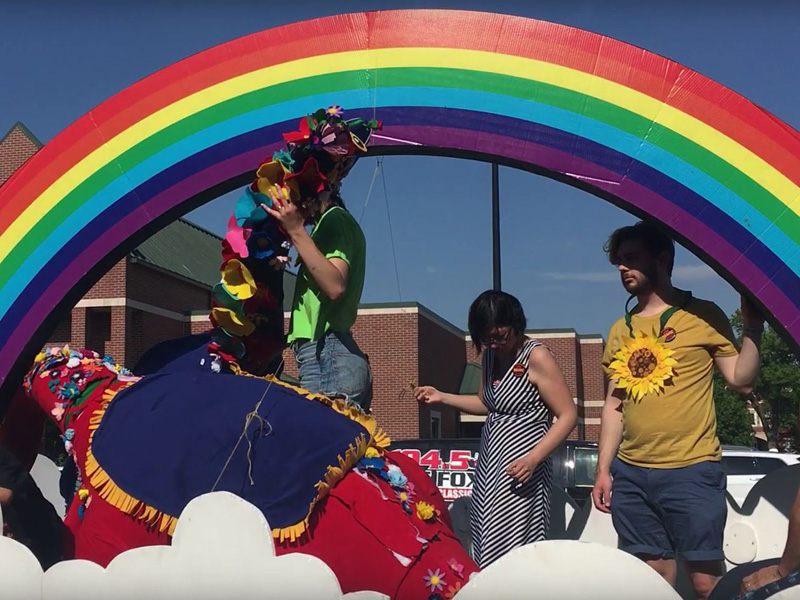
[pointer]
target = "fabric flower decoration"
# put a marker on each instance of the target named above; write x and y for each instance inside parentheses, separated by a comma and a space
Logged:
(248, 210)
(643, 365)
(223, 298)
(235, 324)
(396, 477)
(263, 301)
(334, 111)
(69, 391)
(284, 157)
(405, 500)
(425, 511)
(434, 580)
(453, 590)
(372, 453)
(298, 137)
(372, 464)
(411, 489)
(456, 568)
(308, 182)
(237, 237)
(238, 280)
(58, 411)
(260, 245)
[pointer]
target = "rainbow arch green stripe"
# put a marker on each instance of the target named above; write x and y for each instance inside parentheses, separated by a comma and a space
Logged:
(630, 126)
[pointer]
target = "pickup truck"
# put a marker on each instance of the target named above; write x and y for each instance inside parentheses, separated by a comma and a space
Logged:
(451, 465)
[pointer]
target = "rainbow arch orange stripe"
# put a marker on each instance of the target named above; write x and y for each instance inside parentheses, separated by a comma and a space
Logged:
(632, 127)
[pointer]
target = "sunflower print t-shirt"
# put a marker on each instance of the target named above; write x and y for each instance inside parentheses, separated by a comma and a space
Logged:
(672, 423)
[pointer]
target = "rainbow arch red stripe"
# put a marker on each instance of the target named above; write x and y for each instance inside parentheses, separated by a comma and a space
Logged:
(631, 126)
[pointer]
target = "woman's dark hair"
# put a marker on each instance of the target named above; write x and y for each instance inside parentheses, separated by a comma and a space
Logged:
(652, 238)
(494, 309)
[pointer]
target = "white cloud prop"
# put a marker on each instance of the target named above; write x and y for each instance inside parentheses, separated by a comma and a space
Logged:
(567, 570)
(222, 548)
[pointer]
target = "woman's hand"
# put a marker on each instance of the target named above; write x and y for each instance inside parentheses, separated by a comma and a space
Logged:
(284, 210)
(427, 394)
(522, 469)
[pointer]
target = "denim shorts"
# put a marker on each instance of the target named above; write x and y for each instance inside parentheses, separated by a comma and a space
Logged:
(670, 513)
(334, 366)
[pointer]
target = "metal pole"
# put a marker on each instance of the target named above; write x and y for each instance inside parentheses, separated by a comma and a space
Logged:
(496, 227)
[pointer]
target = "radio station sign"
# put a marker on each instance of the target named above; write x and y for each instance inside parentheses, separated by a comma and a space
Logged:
(453, 470)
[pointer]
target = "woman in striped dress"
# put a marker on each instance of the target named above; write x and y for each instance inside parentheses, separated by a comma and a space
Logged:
(522, 388)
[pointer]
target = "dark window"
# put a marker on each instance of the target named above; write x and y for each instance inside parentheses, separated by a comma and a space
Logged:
(98, 329)
(768, 465)
(436, 425)
(741, 465)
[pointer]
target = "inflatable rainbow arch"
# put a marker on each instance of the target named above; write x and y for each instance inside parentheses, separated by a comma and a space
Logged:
(632, 127)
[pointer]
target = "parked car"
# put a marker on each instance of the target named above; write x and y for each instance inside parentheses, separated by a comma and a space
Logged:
(744, 467)
(451, 465)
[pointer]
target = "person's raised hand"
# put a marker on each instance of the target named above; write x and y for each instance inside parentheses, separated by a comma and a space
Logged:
(427, 394)
(284, 210)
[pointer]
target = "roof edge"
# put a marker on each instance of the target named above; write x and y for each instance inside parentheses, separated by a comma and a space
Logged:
(27, 132)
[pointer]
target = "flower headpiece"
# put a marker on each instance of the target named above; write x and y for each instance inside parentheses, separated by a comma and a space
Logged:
(247, 314)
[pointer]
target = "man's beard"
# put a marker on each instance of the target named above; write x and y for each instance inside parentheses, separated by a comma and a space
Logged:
(647, 284)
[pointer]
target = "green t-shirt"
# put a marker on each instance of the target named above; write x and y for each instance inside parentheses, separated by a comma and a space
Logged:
(337, 235)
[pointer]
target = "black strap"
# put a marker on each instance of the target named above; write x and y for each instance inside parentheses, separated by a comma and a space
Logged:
(665, 316)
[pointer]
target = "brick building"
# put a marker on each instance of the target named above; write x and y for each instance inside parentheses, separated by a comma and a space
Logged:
(162, 290)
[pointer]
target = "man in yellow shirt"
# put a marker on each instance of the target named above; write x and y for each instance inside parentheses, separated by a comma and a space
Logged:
(658, 433)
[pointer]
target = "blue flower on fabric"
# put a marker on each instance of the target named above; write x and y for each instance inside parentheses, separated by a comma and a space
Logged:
(371, 464)
(77, 376)
(396, 477)
(109, 360)
(248, 211)
(69, 434)
(260, 245)
(53, 385)
(69, 391)
(284, 157)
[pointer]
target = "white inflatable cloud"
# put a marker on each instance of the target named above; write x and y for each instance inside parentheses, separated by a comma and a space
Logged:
(222, 548)
(567, 570)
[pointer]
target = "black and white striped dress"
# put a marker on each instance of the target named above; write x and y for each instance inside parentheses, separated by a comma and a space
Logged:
(506, 515)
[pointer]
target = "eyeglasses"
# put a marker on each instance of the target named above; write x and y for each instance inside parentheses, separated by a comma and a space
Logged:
(500, 338)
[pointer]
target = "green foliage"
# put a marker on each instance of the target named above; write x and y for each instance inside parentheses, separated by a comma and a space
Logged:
(777, 390)
(734, 421)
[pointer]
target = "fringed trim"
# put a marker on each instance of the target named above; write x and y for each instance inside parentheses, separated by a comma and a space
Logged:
(378, 438)
(109, 491)
(333, 475)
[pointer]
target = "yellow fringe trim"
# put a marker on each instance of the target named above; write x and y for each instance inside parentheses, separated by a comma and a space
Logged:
(109, 491)
(105, 487)
(378, 438)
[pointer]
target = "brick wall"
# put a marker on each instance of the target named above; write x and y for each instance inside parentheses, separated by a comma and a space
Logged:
(110, 285)
(146, 329)
(158, 288)
(15, 149)
(441, 364)
(391, 343)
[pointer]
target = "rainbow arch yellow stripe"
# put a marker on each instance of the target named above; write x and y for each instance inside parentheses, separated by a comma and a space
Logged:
(630, 126)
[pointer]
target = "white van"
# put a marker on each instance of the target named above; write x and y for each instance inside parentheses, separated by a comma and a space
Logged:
(744, 467)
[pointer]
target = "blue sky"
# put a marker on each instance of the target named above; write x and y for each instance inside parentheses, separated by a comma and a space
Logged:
(59, 59)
